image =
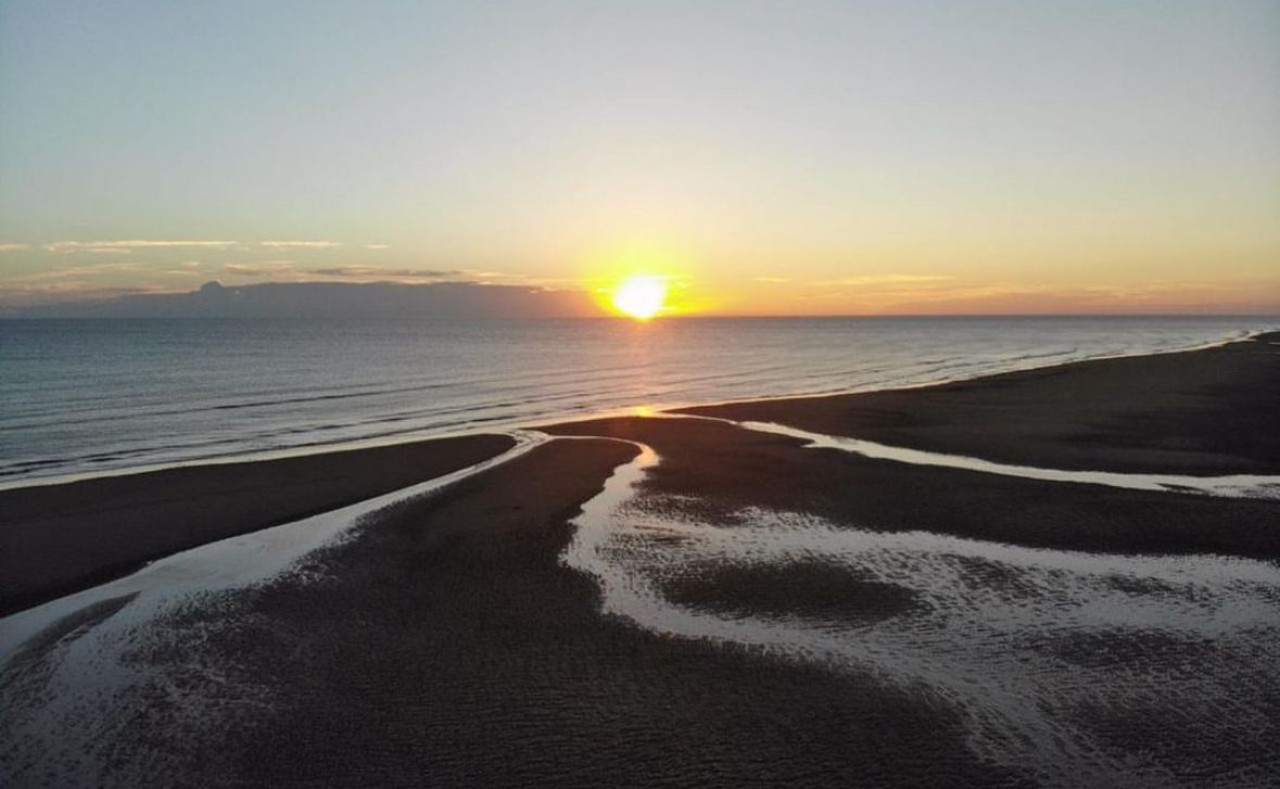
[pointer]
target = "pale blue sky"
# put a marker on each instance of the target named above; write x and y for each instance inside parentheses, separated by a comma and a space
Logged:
(944, 151)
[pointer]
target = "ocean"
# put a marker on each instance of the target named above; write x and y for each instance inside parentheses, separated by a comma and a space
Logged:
(92, 396)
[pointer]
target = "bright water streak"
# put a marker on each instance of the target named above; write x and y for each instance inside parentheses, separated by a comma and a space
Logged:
(1043, 653)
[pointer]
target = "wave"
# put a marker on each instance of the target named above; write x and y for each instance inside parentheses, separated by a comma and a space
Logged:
(157, 400)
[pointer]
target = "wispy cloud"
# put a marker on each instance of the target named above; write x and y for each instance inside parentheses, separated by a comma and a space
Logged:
(300, 244)
(130, 245)
(369, 272)
(290, 271)
(377, 246)
(79, 283)
(77, 272)
(293, 271)
(772, 280)
(1005, 298)
(13, 247)
(261, 268)
(882, 279)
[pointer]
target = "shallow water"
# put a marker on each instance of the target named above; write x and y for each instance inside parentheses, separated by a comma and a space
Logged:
(100, 395)
(1081, 669)
(1074, 669)
(72, 679)
(1261, 486)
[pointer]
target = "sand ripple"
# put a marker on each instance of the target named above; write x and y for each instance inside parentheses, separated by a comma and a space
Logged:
(1082, 669)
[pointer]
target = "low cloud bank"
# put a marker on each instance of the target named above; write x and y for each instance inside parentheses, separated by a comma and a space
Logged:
(334, 300)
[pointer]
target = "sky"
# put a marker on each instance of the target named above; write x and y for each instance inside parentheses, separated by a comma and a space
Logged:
(765, 157)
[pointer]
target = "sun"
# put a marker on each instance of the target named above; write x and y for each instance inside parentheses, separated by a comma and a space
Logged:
(640, 296)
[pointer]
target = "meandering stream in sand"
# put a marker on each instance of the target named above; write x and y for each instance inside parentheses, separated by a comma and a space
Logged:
(1054, 658)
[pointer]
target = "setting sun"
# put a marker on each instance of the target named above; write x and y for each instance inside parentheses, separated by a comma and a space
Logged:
(640, 297)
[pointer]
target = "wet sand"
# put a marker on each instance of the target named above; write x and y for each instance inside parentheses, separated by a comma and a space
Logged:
(1207, 412)
(882, 624)
(57, 539)
(725, 469)
(446, 644)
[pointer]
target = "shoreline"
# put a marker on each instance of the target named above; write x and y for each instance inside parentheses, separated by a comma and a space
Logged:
(412, 437)
(60, 539)
(87, 512)
(708, 602)
(1208, 411)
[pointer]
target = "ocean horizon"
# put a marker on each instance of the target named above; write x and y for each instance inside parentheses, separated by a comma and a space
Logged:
(88, 397)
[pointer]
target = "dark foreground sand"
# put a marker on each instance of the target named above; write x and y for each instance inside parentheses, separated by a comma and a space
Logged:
(726, 469)
(447, 646)
(445, 642)
(1208, 412)
(56, 539)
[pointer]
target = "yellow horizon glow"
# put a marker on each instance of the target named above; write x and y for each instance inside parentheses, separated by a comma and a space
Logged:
(640, 296)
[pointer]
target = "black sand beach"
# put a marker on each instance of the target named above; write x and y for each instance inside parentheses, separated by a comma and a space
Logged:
(57, 539)
(1206, 412)
(726, 469)
(446, 642)
(450, 647)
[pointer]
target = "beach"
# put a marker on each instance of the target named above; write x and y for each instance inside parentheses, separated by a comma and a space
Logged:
(58, 539)
(634, 394)
(686, 599)
(1206, 412)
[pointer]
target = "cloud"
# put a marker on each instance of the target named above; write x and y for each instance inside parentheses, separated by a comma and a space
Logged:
(260, 268)
(293, 272)
(130, 245)
(377, 246)
(12, 247)
(300, 244)
(369, 272)
(76, 283)
(77, 272)
(1004, 298)
(882, 279)
(774, 280)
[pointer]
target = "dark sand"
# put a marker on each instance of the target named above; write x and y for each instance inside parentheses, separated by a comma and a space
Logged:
(1208, 412)
(448, 646)
(443, 643)
(728, 469)
(57, 539)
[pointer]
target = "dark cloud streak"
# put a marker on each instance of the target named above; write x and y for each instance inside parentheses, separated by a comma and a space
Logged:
(455, 300)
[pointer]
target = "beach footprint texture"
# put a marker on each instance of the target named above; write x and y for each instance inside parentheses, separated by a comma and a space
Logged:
(1078, 669)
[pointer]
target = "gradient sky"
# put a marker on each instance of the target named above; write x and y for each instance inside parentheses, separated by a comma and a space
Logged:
(772, 157)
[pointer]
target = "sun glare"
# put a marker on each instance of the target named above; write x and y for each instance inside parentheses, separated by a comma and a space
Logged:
(641, 297)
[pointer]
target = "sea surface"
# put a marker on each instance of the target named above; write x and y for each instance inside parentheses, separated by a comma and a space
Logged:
(89, 396)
